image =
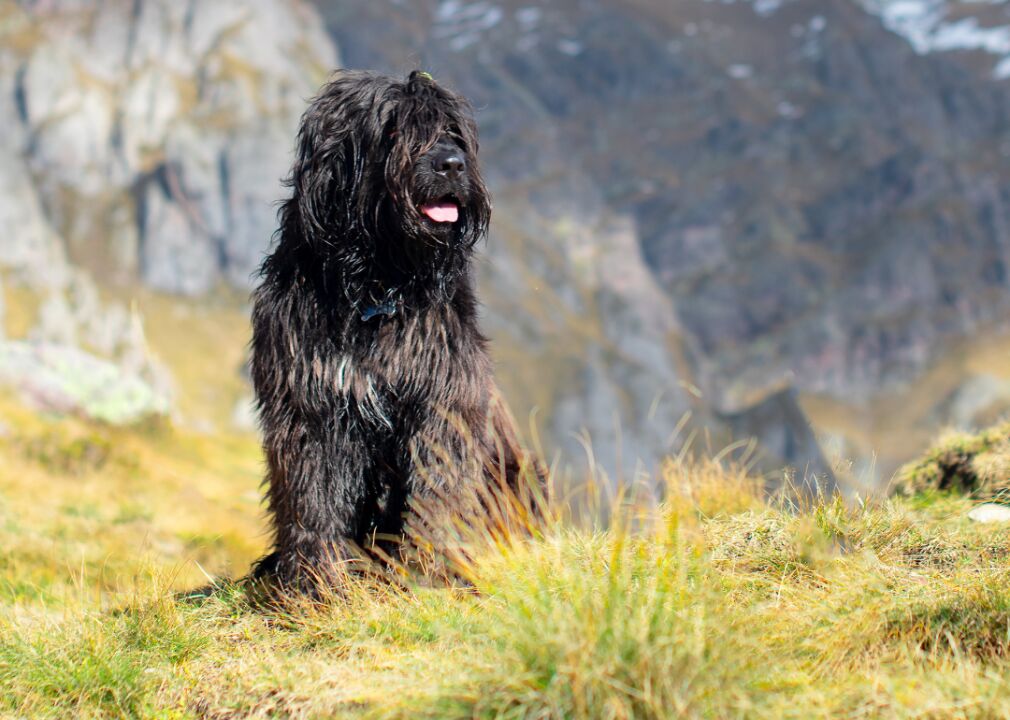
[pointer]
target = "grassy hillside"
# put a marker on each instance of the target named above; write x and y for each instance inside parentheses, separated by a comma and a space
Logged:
(87, 510)
(716, 604)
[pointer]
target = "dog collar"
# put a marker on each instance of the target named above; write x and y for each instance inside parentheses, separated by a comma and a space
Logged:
(387, 308)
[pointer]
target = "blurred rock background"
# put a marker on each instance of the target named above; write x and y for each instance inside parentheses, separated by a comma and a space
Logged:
(715, 220)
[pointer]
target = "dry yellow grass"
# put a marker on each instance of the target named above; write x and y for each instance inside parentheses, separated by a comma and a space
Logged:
(86, 507)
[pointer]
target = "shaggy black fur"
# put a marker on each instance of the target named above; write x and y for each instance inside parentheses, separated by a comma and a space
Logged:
(372, 376)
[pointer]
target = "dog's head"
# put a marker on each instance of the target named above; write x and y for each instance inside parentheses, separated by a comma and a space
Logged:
(391, 164)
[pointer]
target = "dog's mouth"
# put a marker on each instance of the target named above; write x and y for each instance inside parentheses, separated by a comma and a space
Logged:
(443, 210)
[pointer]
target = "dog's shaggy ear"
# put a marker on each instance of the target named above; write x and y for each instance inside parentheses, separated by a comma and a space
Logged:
(330, 157)
(323, 166)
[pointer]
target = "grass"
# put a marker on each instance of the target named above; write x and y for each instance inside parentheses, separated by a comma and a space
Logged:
(88, 508)
(716, 604)
(966, 462)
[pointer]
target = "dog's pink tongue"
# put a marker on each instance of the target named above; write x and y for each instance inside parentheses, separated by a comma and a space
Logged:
(442, 212)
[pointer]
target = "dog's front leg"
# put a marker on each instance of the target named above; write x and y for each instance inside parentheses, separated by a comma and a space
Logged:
(319, 502)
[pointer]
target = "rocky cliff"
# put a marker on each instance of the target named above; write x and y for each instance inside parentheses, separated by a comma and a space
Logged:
(155, 132)
(143, 141)
(816, 191)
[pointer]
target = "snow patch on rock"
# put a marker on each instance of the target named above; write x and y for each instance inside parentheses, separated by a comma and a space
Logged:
(930, 26)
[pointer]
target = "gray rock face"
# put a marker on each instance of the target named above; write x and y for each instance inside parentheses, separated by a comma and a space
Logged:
(784, 437)
(156, 132)
(816, 189)
(698, 204)
(582, 333)
(33, 254)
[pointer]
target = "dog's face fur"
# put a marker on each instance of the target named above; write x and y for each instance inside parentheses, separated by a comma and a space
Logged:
(386, 174)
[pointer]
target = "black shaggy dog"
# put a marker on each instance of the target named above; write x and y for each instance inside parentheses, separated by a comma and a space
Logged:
(372, 377)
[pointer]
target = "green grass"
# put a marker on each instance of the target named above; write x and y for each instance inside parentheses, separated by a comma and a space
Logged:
(715, 604)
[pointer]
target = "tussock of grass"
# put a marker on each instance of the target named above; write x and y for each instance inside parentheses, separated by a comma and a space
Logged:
(714, 603)
(597, 626)
(763, 542)
(962, 462)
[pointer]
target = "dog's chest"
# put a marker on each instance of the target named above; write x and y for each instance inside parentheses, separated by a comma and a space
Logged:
(431, 355)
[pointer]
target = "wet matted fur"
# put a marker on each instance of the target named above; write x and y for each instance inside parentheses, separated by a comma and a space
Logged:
(373, 379)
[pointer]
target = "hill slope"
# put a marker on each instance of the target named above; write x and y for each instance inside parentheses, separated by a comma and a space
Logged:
(717, 604)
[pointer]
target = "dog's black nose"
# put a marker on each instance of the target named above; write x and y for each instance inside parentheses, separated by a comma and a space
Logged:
(449, 163)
